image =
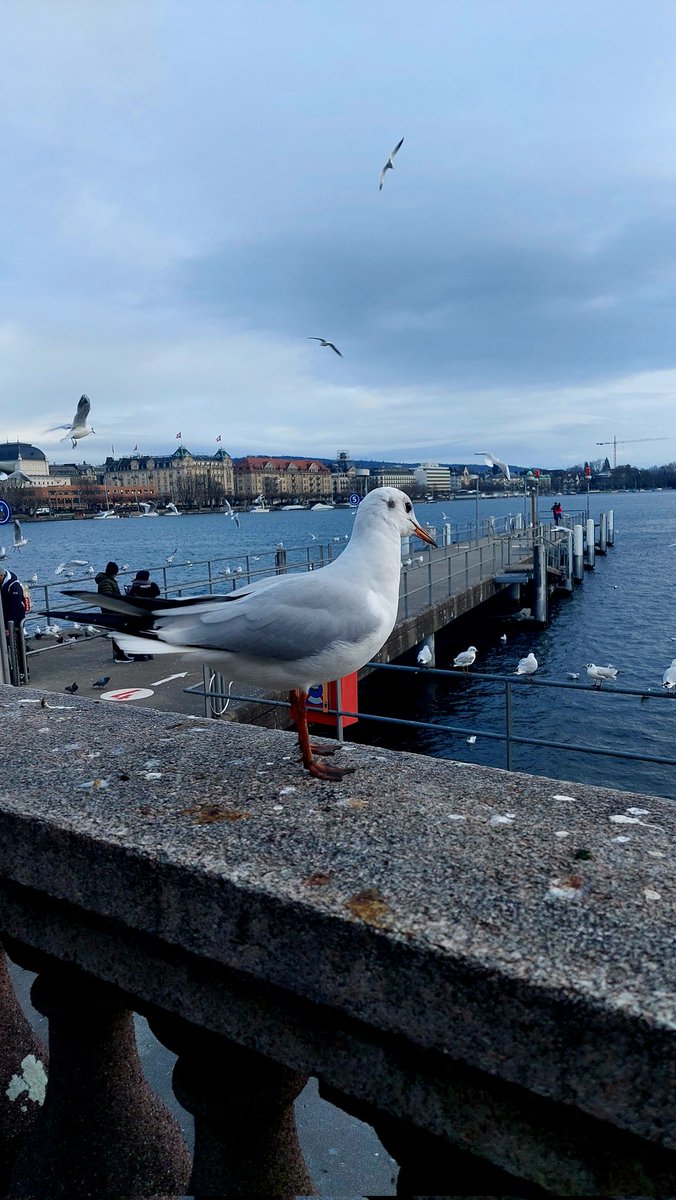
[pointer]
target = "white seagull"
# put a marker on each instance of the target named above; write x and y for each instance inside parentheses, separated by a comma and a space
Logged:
(465, 658)
(669, 677)
(491, 461)
(70, 562)
(290, 631)
(389, 165)
(19, 539)
(78, 427)
(424, 657)
(323, 342)
(598, 674)
(527, 665)
(573, 674)
(3, 552)
(230, 512)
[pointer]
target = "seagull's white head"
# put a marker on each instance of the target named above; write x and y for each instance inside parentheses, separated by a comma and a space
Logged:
(387, 506)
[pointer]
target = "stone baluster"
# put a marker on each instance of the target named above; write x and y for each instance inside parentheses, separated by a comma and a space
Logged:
(23, 1061)
(102, 1132)
(246, 1142)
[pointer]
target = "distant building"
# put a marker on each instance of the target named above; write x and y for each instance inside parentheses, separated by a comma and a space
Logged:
(189, 479)
(434, 479)
(391, 476)
(290, 479)
(27, 466)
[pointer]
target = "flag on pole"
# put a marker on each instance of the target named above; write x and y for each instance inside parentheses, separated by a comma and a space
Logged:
(218, 438)
(179, 435)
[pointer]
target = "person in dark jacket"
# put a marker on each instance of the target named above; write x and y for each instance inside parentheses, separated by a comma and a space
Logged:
(143, 585)
(107, 585)
(12, 597)
(13, 610)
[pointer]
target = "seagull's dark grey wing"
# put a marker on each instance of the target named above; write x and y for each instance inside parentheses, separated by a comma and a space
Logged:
(334, 348)
(82, 411)
(397, 148)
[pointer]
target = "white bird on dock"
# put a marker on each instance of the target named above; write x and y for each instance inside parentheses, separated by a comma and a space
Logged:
(527, 665)
(424, 657)
(465, 659)
(34, 577)
(289, 632)
(503, 638)
(471, 740)
(669, 677)
(598, 674)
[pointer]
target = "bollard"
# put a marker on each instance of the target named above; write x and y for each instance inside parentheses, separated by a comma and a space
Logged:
(578, 553)
(540, 581)
(611, 527)
(567, 581)
(447, 539)
(280, 559)
(603, 534)
(591, 545)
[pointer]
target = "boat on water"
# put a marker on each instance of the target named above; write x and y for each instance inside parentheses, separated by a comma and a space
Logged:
(293, 508)
(147, 510)
(320, 507)
(107, 514)
(171, 511)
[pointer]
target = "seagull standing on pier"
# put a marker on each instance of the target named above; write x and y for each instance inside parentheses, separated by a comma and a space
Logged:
(289, 631)
(465, 658)
(669, 677)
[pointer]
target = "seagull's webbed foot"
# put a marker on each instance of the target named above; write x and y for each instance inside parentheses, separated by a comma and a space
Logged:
(297, 700)
(322, 748)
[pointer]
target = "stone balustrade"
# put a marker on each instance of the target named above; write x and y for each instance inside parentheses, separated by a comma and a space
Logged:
(479, 964)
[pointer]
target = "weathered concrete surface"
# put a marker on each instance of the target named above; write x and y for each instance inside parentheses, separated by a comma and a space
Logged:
(419, 931)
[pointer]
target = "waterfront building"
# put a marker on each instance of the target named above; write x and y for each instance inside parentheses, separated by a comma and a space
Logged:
(29, 466)
(291, 479)
(434, 479)
(192, 480)
(392, 476)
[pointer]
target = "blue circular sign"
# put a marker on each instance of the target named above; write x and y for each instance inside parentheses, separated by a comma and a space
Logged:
(354, 498)
(5, 512)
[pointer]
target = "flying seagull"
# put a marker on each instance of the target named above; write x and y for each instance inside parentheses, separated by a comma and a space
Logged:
(598, 674)
(324, 342)
(78, 427)
(288, 632)
(230, 512)
(389, 165)
(19, 539)
(491, 461)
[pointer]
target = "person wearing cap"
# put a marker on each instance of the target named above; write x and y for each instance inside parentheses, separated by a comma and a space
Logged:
(143, 585)
(107, 585)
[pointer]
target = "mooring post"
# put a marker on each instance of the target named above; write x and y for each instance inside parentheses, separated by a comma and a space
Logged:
(578, 553)
(568, 572)
(611, 527)
(591, 544)
(447, 534)
(603, 534)
(540, 580)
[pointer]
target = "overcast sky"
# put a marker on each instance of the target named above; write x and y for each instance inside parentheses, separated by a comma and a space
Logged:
(190, 192)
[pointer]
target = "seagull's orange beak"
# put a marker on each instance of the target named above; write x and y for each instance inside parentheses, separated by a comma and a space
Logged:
(423, 535)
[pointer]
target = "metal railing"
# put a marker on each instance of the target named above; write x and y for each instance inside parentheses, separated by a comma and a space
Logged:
(507, 735)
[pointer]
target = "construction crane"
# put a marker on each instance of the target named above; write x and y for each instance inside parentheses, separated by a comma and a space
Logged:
(627, 442)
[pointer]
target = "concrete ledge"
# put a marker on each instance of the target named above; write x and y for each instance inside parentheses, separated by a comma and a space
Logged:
(448, 922)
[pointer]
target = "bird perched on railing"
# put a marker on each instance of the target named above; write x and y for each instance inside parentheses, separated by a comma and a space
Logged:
(290, 631)
(669, 677)
(527, 665)
(598, 674)
(465, 659)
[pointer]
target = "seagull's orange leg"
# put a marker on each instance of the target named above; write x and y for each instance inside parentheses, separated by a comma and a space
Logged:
(297, 700)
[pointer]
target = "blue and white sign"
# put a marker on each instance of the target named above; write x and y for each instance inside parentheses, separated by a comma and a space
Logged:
(354, 498)
(5, 512)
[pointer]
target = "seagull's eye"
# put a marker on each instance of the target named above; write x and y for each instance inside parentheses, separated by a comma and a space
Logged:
(390, 503)
(408, 506)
